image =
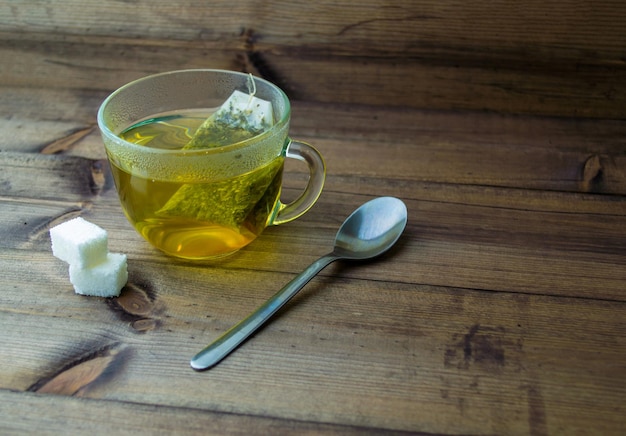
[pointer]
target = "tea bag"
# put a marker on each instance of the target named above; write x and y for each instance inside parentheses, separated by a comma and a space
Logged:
(226, 203)
(241, 117)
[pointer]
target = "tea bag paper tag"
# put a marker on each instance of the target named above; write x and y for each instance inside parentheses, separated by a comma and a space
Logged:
(245, 111)
(240, 117)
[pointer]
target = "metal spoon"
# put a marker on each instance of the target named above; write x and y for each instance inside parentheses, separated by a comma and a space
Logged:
(368, 232)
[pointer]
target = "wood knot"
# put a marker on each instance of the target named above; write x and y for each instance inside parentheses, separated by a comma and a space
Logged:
(145, 324)
(67, 142)
(592, 174)
(100, 176)
(135, 301)
(137, 306)
(83, 372)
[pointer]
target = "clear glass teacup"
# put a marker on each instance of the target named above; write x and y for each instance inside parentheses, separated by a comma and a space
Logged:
(201, 202)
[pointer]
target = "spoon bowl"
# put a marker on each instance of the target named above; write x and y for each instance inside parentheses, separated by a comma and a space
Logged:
(371, 230)
(368, 232)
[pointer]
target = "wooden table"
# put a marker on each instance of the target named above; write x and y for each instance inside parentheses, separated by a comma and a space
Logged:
(502, 310)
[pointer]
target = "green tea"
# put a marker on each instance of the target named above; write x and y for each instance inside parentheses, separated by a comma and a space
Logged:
(193, 217)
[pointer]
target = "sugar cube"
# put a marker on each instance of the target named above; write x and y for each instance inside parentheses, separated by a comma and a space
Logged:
(93, 270)
(79, 242)
(105, 279)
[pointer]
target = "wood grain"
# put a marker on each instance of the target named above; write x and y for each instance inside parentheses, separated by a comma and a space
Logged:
(587, 32)
(506, 300)
(82, 414)
(412, 354)
(500, 311)
(540, 58)
(578, 155)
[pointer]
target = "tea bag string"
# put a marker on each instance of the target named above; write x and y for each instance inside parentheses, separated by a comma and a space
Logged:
(251, 87)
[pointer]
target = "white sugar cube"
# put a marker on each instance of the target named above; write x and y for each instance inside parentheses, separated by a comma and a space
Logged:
(105, 279)
(79, 243)
(93, 270)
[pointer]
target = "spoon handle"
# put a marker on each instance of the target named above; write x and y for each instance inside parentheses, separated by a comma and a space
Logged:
(215, 352)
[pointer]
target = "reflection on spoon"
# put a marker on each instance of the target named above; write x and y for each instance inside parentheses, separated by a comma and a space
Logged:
(368, 232)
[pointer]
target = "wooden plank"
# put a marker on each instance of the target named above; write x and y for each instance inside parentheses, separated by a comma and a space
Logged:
(482, 164)
(501, 309)
(73, 416)
(35, 119)
(58, 178)
(554, 244)
(566, 89)
(542, 58)
(504, 363)
(69, 106)
(574, 155)
(571, 29)
(555, 90)
(428, 350)
(66, 110)
(103, 67)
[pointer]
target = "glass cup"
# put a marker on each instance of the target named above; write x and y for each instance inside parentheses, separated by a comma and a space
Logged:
(201, 203)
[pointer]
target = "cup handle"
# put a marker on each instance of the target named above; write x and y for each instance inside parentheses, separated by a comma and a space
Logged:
(317, 175)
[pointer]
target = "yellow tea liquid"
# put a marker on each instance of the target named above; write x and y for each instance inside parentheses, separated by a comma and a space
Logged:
(195, 218)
